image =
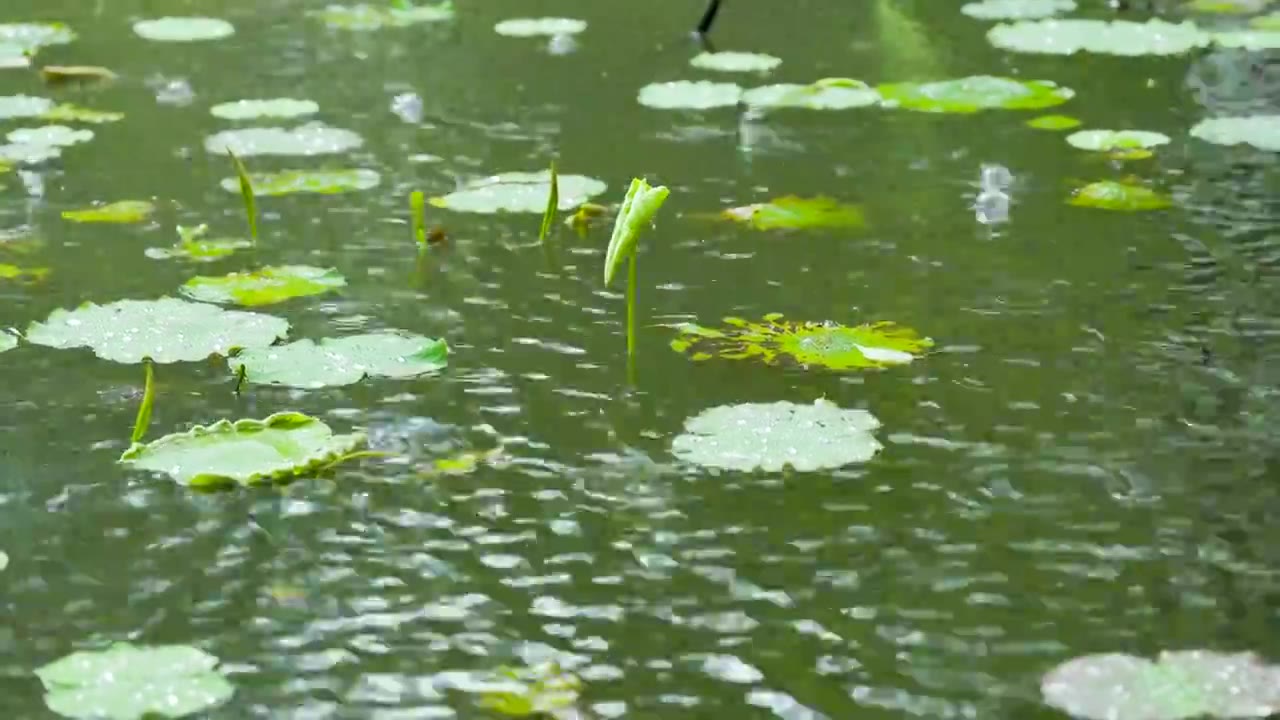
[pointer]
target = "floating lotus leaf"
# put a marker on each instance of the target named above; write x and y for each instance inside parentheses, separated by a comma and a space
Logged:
(523, 192)
(1117, 37)
(825, 94)
(29, 37)
(1226, 7)
(690, 95)
(192, 246)
(342, 361)
(1260, 131)
(244, 452)
(1113, 140)
(532, 27)
(796, 213)
(534, 692)
(183, 29)
(374, 17)
(7, 342)
(23, 275)
(971, 94)
(124, 211)
(774, 340)
(735, 62)
(74, 113)
(274, 107)
(130, 682)
(1178, 685)
(305, 140)
(1053, 122)
(639, 207)
(23, 106)
(167, 330)
(322, 182)
(775, 436)
(1248, 39)
(1017, 9)
(1266, 22)
(1113, 195)
(28, 153)
(267, 286)
(56, 136)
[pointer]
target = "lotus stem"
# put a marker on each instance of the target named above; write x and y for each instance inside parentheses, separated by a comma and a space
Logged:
(631, 310)
(143, 419)
(418, 217)
(708, 17)
(553, 202)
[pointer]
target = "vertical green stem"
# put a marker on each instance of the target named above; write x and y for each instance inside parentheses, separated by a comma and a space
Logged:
(631, 312)
(418, 217)
(143, 419)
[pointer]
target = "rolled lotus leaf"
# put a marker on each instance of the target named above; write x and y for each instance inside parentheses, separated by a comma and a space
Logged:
(638, 208)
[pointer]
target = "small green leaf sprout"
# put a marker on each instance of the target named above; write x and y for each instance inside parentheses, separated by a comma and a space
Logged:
(638, 209)
(553, 200)
(246, 193)
(143, 420)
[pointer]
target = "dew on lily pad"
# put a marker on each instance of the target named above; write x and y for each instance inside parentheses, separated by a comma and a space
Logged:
(193, 246)
(244, 452)
(373, 17)
(124, 211)
(779, 435)
(28, 276)
(1116, 140)
(1178, 685)
(166, 330)
(1116, 37)
(523, 192)
(130, 682)
(825, 94)
(267, 286)
(49, 136)
(792, 212)
(774, 340)
(971, 94)
(342, 361)
(24, 106)
(68, 112)
(183, 29)
(730, 61)
(1053, 122)
(321, 182)
(7, 341)
(533, 27)
(690, 95)
(273, 108)
(1115, 195)
(1252, 40)
(1017, 9)
(305, 140)
(1260, 131)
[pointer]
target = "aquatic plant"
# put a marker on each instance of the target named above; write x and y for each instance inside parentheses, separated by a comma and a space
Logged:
(689, 95)
(183, 29)
(797, 213)
(1113, 141)
(265, 286)
(553, 201)
(825, 94)
(1116, 37)
(306, 140)
(537, 691)
(273, 107)
(193, 246)
(60, 74)
(143, 419)
(365, 17)
(28, 275)
(533, 27)
(514, 192)
(1260, 131)
(246, 195)
(744, 62)
(7, 341)
(1118, 195)
(639, 206)
(1017, 9)
(975, 93)
(418, 218)
(775, 340)
(323, 182)
(1053, 122)
(123, 211)
(333, 362)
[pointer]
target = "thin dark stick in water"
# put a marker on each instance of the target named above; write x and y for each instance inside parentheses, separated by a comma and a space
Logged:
(708, 17)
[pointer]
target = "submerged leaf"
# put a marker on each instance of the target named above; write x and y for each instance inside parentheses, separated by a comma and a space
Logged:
(166, 330)
(54, 74)
(129, 682)
(774, 340)
(531, 27)
(323, 182)
(1113, 195)
(1053, 122)
(1111, 140)
(1117, 37)
(342, 361)
(524, 192)
(1017, 9)
(274, 107)
(244, 452)
(374, 17)
(825, 94)
(465, 463)
(1179, 685)
(124, 211)
(971, 94)
(1260, 131)
(638, 209)
(689, 95)
(775, 436)
(792, 212)
(735, 62)
(305, 140)
(192, 246)
(183, 29)
(266, 286)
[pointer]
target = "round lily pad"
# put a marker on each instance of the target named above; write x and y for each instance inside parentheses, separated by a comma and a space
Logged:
(29, 37)
(274, 107)
(1253, 40)
(28, 154)
(342, 361)
(128, 682)
(532, 27)
(1110, 140)
(796, 213)
(522, 192)
(774, 436)
(322, 182)
(825, 94)
(305, 140)
(167, 330)
(1116, 37)
(1260, 131)
(735, 62)
(49, 136)
(183, 29)
(364, 17)
(24, 106)
(244, 452)
(775, 340)
(124, 211)
(67, 112)
(1178, 685)
(1017, 9)
(199, 250)
(1123, 196)
(1266, 22)
(267, 286)
(690, 95)
(7, 341)
(971, 94)
(1053, 122)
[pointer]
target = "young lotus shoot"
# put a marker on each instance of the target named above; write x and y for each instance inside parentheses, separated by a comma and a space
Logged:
(638, 209)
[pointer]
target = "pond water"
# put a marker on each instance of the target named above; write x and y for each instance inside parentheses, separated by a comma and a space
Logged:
(1084, 462)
